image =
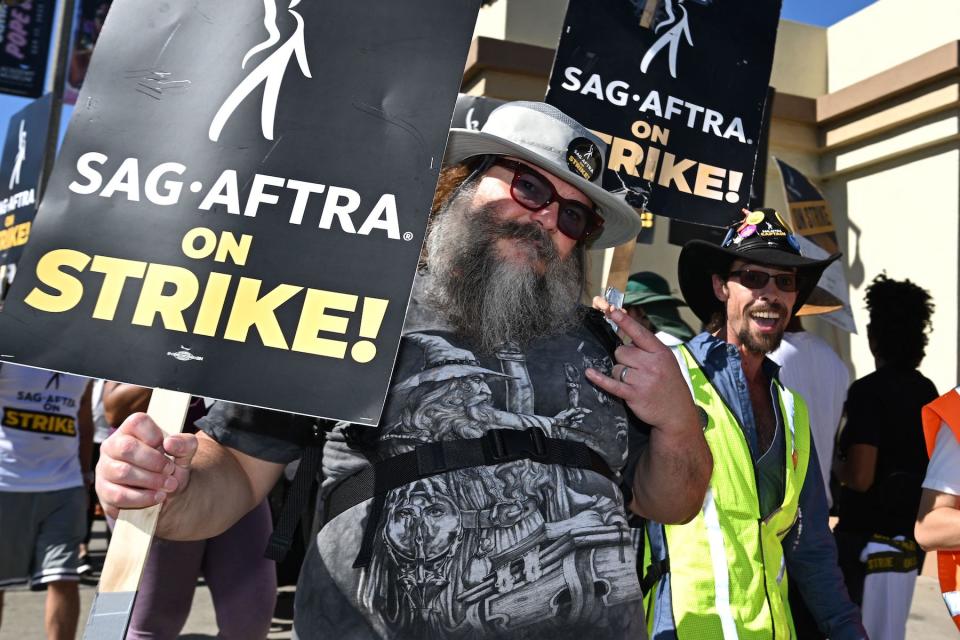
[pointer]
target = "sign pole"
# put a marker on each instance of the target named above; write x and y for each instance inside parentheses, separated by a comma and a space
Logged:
(57, 77)
(132, 535)
(618, 266)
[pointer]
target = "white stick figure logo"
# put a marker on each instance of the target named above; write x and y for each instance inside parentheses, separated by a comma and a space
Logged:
(269, 72)
(20, 157)
(673, 29)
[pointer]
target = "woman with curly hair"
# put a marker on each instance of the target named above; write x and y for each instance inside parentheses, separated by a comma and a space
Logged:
(883, 458)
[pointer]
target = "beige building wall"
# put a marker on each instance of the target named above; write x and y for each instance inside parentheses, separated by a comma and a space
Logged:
(535, 22)
(885, 34)
(902, 217)
(800, 60)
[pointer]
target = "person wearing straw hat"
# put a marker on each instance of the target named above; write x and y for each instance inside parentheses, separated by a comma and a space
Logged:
(764, 518)
(488, 501)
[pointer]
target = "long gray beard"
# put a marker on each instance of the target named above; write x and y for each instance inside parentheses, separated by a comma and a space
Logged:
(493, 301)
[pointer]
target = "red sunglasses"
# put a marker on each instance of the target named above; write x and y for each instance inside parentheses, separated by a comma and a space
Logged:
(532, 190)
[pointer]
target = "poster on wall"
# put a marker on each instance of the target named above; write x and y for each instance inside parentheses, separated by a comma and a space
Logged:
(87, 23)
(20, 167)
(24, 46)
(681, 102)
(239, 204)
(813, 226)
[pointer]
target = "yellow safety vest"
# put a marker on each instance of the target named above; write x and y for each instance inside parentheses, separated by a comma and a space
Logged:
(726, 566)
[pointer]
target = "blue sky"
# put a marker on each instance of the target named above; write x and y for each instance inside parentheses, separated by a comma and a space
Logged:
(818, 12)
(822, 13)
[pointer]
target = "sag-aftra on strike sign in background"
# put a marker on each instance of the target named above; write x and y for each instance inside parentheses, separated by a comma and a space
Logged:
(239, 205)
(680, 103)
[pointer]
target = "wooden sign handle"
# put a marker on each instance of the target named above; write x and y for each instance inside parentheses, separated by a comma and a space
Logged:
(131, 538)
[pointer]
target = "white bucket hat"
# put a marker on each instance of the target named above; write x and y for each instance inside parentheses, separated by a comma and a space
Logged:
(548, 138)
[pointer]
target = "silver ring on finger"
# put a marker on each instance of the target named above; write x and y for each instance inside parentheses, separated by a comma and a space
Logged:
(623, 374)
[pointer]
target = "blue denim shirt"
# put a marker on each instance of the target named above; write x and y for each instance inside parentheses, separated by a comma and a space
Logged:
(809, 549)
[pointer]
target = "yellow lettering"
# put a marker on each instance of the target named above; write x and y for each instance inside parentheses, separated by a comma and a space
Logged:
(169, 307)
(40, 422)
(115, 273)
(671, 171)
(230, 247)
(709, 180)
(625, 155)
(211, 305)
(313, 319)
(207, 246)
(49, 272)
(250, 311)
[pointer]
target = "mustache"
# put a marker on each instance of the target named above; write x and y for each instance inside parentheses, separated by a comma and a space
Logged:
(757, 307)
(534, 234)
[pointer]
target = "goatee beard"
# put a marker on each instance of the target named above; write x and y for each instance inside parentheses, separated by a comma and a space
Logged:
(493, 301)
(764, 343)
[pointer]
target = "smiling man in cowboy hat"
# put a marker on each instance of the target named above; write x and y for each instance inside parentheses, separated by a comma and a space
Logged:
(765, 513)
(486, 504)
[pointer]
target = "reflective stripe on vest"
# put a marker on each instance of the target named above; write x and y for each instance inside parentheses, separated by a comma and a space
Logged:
(727, 575)
(721, 575)
(945, 410)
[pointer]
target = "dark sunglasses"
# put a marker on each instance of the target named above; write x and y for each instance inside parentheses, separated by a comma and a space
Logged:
(533, 191)
(759, 279)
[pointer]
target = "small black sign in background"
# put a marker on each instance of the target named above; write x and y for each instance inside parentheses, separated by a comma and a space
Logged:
(681, 102)
(20, 168)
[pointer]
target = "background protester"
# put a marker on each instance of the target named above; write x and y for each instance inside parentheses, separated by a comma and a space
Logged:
(480, 487)
(242, 583)
(101, 431)
(648, 301)
(724, 574)
(810, 367)
(883, 458)
(938, 520)
(45, 439)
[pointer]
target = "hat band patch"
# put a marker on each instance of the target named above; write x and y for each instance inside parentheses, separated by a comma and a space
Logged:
(583, 158)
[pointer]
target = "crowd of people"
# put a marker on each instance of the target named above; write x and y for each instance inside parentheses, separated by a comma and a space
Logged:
(535, 474)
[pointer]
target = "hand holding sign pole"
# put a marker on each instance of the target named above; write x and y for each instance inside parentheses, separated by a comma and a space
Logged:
(131, 540)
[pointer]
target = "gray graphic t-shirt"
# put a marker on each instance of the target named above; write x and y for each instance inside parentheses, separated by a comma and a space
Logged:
(515, 550)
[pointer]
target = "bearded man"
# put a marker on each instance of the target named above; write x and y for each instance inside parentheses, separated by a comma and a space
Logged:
(764, 518)
(487, 502)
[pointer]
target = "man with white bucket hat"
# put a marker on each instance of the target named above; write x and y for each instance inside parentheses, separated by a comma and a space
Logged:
(487, 502)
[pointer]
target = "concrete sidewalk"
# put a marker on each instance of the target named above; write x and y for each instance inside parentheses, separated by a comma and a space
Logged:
(23, 610)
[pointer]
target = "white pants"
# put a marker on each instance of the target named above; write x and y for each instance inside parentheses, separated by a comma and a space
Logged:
(887, 596)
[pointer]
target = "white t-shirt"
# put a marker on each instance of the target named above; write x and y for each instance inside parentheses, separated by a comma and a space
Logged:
(943, 472)
(809, 366)
(39, 430)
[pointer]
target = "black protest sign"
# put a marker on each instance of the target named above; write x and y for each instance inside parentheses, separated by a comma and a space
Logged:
(681, 102)
(25, 31)
(472, 112)
(815, 231)
(238, 208)
(20, 168)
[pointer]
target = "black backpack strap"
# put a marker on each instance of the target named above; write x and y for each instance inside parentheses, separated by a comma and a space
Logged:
(300, 491)
(497, 446)
(654, 572)
(594, 321)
